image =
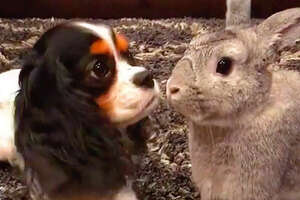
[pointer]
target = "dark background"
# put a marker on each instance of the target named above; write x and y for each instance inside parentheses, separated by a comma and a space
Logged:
(133, 8)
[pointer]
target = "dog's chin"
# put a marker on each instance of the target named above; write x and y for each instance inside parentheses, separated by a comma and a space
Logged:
(124, 117)
(131, 112)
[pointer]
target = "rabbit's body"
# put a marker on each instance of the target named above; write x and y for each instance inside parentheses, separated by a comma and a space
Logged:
(243, 111)
(259, 158)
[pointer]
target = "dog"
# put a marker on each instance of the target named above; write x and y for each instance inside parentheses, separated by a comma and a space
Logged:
(78, 94)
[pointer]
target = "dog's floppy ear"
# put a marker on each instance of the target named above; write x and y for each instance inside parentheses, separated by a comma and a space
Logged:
(39, 71)
(30, 66)
(32, 63)
(46, 168)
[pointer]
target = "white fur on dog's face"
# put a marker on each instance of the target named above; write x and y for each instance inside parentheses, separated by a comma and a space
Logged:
(125, 103)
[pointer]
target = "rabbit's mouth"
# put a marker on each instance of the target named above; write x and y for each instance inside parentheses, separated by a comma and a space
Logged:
(191, 109)
(202, 111)
(209, 120)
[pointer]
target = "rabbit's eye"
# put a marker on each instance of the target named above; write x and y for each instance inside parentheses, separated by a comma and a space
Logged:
(224, 66)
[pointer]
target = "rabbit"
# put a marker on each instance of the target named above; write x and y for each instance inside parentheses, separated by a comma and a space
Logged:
(242, 108)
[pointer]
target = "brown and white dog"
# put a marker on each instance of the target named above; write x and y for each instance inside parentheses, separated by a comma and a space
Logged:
(77, 93)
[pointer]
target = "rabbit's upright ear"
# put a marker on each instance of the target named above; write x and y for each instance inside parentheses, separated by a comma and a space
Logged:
(238, 13)
(279, 31)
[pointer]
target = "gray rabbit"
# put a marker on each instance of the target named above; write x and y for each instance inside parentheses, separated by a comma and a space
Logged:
(242, 108)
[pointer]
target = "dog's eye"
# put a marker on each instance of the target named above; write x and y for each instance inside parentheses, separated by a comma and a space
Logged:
(224, 66)
(100, 69)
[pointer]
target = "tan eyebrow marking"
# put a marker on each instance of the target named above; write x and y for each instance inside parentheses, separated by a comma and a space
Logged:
(121, 43)
(100, 47)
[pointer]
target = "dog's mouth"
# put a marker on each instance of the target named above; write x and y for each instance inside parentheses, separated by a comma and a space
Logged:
(150, 102)
(142, 108)
(129, 104)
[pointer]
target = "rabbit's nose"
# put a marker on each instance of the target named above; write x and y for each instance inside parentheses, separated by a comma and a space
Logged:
(177, 83)
(174, 90)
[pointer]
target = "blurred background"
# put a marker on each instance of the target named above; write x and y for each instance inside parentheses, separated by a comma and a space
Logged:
(132, 8)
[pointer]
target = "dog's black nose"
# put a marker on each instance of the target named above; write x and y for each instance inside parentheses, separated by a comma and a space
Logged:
(143, 79)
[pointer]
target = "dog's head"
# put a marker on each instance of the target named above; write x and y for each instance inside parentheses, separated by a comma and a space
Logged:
(91, 59)
(78, 87)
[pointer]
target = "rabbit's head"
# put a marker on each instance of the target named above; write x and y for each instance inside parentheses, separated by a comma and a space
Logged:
(226, 75)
